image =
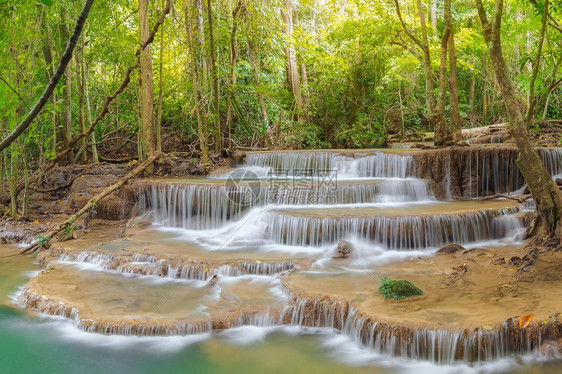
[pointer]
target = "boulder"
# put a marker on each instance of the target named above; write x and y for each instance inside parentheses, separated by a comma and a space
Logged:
(343, 249)
(450, 248)
(239, 156)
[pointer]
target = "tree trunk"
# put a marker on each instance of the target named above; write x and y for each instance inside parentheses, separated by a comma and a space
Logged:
(471, 92)
(255, 75)
(544, 190)
(429, 87)
(456, 121)
(201, 41)
(95, 158)
(233, 60)
(48, 57)
(442, 132)
(160, 90)
(214, 70)
(66, 132)
(146, 132)
(433, 15)
(81, 102)
(196, 91)
(292, 68)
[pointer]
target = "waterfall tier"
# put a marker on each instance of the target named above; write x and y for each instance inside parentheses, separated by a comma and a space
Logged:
(394, 228)
(203, 205)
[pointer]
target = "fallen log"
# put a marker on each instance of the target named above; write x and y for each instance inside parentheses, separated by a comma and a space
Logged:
(117, 160)
(519, 198)
(42, 241)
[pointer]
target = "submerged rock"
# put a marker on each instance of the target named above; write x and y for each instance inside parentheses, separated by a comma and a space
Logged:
(450, 248)
(343, 249)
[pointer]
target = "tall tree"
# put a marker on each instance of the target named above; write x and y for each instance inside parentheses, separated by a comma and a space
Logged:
(293, 78)
(423, 45)
(215, 76)
(160, 88)
(442, 132)
(544, 190)
(146, 133)
(197, 97)
(233, 60)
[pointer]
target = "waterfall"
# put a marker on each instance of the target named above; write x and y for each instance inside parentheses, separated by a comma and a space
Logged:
(354, 165)
(207, 206)
(552, 159)
(393, 232)
(167, 267)
(439, 346)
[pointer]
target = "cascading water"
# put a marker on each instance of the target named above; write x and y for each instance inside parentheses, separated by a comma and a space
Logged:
(205, 206)
(314, 200)
(354, 165)
(399, 233)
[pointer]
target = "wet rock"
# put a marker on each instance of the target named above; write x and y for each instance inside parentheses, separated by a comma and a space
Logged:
(239, 156)
(214, 280)
(87, 183)
(198, 170)
(184, 168)
(549, 349)
(343, 249)
(450, 248)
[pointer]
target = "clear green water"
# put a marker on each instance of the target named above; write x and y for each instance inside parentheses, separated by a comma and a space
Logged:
(31, 344)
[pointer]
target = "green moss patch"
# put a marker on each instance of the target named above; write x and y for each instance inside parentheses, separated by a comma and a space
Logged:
(398, 289)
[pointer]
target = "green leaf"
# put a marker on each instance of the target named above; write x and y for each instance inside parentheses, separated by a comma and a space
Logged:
(47, 2)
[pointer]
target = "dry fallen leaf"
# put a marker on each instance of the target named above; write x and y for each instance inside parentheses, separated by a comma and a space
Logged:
(525, 320)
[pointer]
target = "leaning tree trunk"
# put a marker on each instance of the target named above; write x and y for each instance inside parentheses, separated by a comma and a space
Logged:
(546, 194)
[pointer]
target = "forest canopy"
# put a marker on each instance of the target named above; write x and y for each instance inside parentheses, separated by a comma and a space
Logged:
(299, 74)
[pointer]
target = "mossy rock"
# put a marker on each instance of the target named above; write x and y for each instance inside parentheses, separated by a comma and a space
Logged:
(398, 289)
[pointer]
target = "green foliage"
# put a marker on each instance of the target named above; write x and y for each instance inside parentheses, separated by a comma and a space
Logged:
(359, 66)
(398, 289)
(361, 134)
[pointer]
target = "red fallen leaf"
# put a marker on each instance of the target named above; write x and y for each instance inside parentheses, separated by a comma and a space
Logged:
(525, 320)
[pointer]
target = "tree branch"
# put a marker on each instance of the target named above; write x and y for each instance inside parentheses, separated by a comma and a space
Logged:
(26, 122)
(405, 28)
